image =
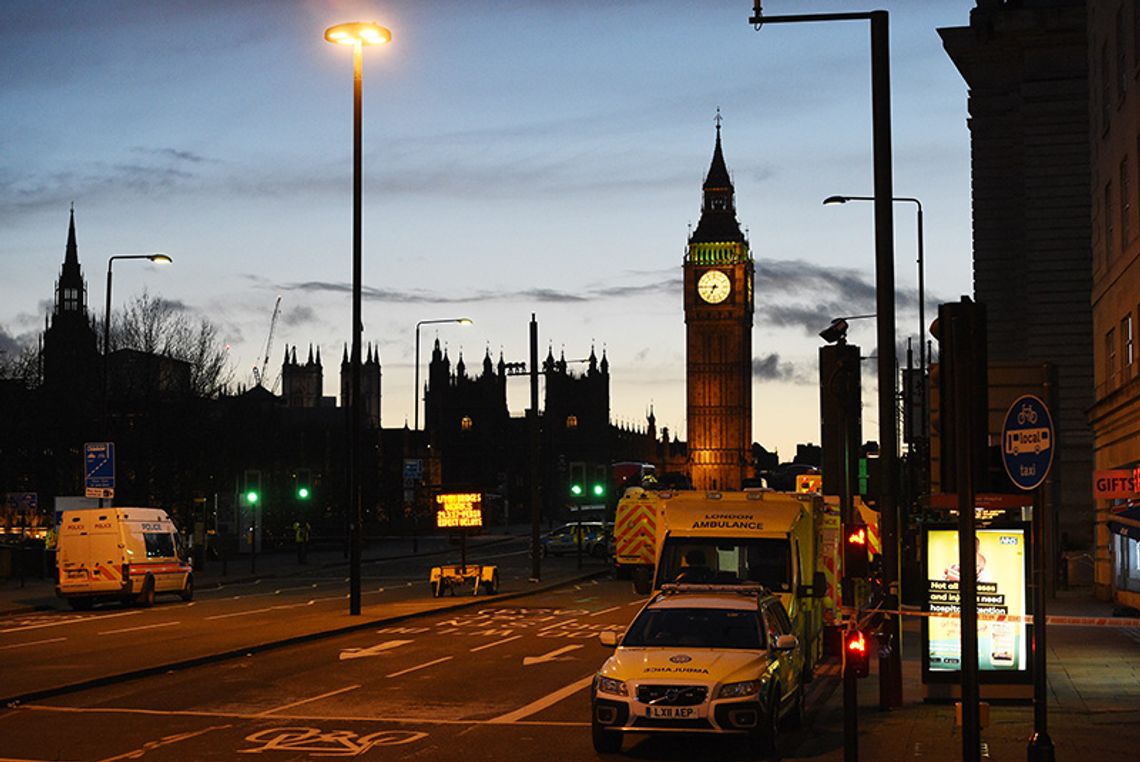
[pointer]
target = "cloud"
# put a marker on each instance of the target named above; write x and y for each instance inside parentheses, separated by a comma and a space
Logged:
(302, 315)
(770, 368)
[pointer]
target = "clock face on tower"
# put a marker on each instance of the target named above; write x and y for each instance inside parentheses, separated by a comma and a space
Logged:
(714, 286)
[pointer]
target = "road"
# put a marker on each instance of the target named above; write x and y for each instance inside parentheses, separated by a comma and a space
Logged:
(504, 679)
(44, 651)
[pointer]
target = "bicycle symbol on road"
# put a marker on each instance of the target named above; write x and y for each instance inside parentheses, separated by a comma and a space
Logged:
(1027, 414)
(333, 743)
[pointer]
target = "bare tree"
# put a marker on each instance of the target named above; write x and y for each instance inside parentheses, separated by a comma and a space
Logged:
(20, 362)
(159, 326)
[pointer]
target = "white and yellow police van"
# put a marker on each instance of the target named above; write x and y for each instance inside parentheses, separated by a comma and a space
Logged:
(702, 659)
(124, 554)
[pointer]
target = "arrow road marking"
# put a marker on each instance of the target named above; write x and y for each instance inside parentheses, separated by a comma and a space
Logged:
(360, 653)
(549, 656)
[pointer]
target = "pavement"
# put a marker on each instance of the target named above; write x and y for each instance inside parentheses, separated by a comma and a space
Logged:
(1093, 701)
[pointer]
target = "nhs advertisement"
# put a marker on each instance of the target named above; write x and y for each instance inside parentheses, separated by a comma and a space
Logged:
(1002, 645)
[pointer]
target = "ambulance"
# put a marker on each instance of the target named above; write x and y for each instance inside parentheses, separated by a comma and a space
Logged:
(755, 536)
(124, 554)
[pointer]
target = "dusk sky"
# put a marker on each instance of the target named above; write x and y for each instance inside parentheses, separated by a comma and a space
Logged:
(519, 157)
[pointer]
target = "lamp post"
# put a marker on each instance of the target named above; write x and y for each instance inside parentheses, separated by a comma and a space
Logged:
(460, 321)
(357, 34)
(831, 200)
(890, 684)
(159, 259)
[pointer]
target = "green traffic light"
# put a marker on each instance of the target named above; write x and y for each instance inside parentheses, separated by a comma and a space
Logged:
(599, 490)
(252, 497)
(576, 490)
(303, 493)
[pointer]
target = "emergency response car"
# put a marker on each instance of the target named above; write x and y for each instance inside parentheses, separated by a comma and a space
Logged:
(125, 554)
(701, 658)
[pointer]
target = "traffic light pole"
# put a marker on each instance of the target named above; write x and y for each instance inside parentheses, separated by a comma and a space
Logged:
(850, 716)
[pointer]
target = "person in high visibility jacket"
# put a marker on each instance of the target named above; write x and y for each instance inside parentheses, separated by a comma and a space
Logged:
(301, 530)
(50, 539)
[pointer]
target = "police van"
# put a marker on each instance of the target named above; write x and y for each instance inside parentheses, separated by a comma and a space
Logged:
(124, 554)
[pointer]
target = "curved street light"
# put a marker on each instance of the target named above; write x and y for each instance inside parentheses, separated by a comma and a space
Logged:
(460, 321)
(357, 34)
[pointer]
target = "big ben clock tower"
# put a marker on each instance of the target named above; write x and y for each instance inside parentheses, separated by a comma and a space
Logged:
(718, 337)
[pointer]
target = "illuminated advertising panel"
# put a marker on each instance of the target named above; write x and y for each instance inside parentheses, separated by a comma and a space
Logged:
(459, 510)
(1001, 565)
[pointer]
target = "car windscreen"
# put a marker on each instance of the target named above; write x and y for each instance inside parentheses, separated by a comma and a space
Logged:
(696, 628)
(704, 560)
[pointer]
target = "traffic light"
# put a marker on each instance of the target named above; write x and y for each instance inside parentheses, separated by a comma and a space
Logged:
(303, 484)
(856, 654)
(855, 562)
(576, 490)
(251, 487)
(599, 490)
(959, 393)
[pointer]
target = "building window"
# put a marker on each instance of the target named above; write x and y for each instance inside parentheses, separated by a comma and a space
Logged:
(1104, 87)
(1127, 351)
(571, 421)
(1125, 205)
(1120, 67)
(1108, 224)
(1110, 358)
(465, 423)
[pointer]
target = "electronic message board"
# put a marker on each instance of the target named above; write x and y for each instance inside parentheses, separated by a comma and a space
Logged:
(459, 510)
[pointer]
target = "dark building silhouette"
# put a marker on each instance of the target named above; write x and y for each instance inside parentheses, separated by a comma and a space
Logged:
(71, 362)
(718, 276)
(1027, 71)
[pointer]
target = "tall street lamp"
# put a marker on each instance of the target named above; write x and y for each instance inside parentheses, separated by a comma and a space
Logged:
(830, 200)
(460, 321)
(357, 34)
(159, 259)
(890, 686)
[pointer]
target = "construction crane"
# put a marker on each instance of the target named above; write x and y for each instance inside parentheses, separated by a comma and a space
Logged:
(259, 372)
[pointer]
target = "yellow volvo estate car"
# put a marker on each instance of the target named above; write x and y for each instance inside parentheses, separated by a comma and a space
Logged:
(705, 659)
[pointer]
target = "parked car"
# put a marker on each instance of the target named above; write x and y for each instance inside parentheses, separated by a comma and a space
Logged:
(701, 658)
(596, 539)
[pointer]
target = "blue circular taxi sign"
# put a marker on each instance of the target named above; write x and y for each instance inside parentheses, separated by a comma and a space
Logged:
(1027, 442)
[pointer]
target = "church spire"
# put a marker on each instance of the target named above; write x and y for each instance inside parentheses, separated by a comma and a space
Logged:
(70, 289)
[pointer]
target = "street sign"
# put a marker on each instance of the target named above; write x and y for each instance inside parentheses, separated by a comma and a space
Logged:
(413, 469)
(1027, 442)
(99, 469)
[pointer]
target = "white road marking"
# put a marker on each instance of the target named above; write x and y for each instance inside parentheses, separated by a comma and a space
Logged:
(420, 666)
(294, 717)
(605, 611)
(360, 653)
(496, 643)
(260, 611)
(141, 627)
(69, 621)
(308, 700)
(32, 643)
(165, 741)
(548, 700)
(551, 656)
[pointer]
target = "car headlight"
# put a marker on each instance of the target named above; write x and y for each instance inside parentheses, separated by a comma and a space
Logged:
(611, 686)
(736, 690)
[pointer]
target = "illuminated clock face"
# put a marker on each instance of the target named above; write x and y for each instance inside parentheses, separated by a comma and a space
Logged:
(714, 286)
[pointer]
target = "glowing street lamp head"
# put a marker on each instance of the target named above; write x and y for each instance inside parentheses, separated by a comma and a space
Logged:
(465, 321)
(160, 259)
(358, 33)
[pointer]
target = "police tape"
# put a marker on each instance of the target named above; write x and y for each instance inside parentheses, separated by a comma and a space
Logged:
(1050, 619)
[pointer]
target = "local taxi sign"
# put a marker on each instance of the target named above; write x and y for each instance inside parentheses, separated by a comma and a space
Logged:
(1028, 444)
(459, 510)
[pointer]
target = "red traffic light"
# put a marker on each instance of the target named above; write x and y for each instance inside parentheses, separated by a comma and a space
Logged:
(855, 561)
(856, 659)
(858, 537)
